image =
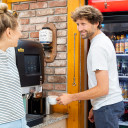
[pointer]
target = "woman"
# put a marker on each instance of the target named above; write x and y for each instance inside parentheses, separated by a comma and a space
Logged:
(12, 113)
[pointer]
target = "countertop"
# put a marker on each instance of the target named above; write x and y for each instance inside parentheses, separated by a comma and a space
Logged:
(52, 118)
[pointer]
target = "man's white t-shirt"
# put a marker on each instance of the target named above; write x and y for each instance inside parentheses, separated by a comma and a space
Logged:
(102, 56)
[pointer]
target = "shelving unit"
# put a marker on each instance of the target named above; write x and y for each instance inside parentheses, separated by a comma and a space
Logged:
(124, 78)
(123, 123)
(125, 100)
(122, 55)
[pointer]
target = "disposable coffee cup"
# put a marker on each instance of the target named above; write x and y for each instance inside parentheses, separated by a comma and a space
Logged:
(52, 100)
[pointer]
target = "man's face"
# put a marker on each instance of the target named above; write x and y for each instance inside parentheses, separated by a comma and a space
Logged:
(86, 29)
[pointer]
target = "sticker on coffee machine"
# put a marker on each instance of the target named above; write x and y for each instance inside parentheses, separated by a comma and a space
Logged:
(21, 50)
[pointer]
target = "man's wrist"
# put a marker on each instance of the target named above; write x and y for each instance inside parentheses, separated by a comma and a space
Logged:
(73, 97)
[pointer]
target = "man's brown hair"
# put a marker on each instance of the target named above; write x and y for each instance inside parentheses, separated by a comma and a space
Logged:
(89, 13)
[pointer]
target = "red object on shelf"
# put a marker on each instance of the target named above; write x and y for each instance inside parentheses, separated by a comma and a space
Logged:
(126, 111)
(109, 5)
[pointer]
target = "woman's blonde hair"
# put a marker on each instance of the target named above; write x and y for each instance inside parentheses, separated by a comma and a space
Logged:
(8, 18)
(89, 13)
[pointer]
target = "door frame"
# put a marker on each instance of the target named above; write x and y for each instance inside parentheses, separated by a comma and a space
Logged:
(75, 109)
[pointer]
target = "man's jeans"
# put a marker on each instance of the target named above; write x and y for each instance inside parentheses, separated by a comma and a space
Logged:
(108, 116)
(15, 124)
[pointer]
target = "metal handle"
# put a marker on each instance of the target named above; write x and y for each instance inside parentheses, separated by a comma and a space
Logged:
(74, 83)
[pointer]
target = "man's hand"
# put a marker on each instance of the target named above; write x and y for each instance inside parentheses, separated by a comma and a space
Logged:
(91, 116)
(64, 99)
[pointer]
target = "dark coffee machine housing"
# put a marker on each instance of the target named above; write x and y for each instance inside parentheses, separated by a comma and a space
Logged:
(30, 62)
(37, 105)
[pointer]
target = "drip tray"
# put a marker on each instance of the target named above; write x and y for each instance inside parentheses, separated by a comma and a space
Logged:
(33, 120)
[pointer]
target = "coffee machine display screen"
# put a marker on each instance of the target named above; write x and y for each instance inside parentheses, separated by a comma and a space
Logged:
(32, 64)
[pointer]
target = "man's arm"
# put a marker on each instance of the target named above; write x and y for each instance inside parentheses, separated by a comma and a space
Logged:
(101, 89)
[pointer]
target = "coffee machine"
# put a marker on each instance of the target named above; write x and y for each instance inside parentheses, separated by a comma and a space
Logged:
(30, 64)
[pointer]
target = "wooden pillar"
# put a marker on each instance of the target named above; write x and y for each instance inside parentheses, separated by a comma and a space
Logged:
(75, 109)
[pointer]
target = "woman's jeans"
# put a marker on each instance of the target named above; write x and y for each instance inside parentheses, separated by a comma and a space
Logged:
(15, 124)
(108, 116)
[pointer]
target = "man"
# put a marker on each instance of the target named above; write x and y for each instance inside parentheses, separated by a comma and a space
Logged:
(104, 90)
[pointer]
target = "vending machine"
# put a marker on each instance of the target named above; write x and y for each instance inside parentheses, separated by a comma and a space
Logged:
(115, 26)
(117, 31)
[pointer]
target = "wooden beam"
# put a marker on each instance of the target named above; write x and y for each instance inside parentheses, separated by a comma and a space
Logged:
(75, 109)
(11, 1)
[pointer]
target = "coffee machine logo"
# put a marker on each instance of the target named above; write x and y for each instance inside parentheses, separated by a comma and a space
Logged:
(20, 50)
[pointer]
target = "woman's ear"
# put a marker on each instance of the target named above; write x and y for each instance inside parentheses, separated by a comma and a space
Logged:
(9, 33)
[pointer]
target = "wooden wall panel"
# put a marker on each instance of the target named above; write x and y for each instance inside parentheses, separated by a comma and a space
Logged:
(75, 109)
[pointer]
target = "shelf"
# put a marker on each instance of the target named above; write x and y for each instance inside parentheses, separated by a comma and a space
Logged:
(125, 100)
(121, 54)
(123, 123)
(126, 77)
